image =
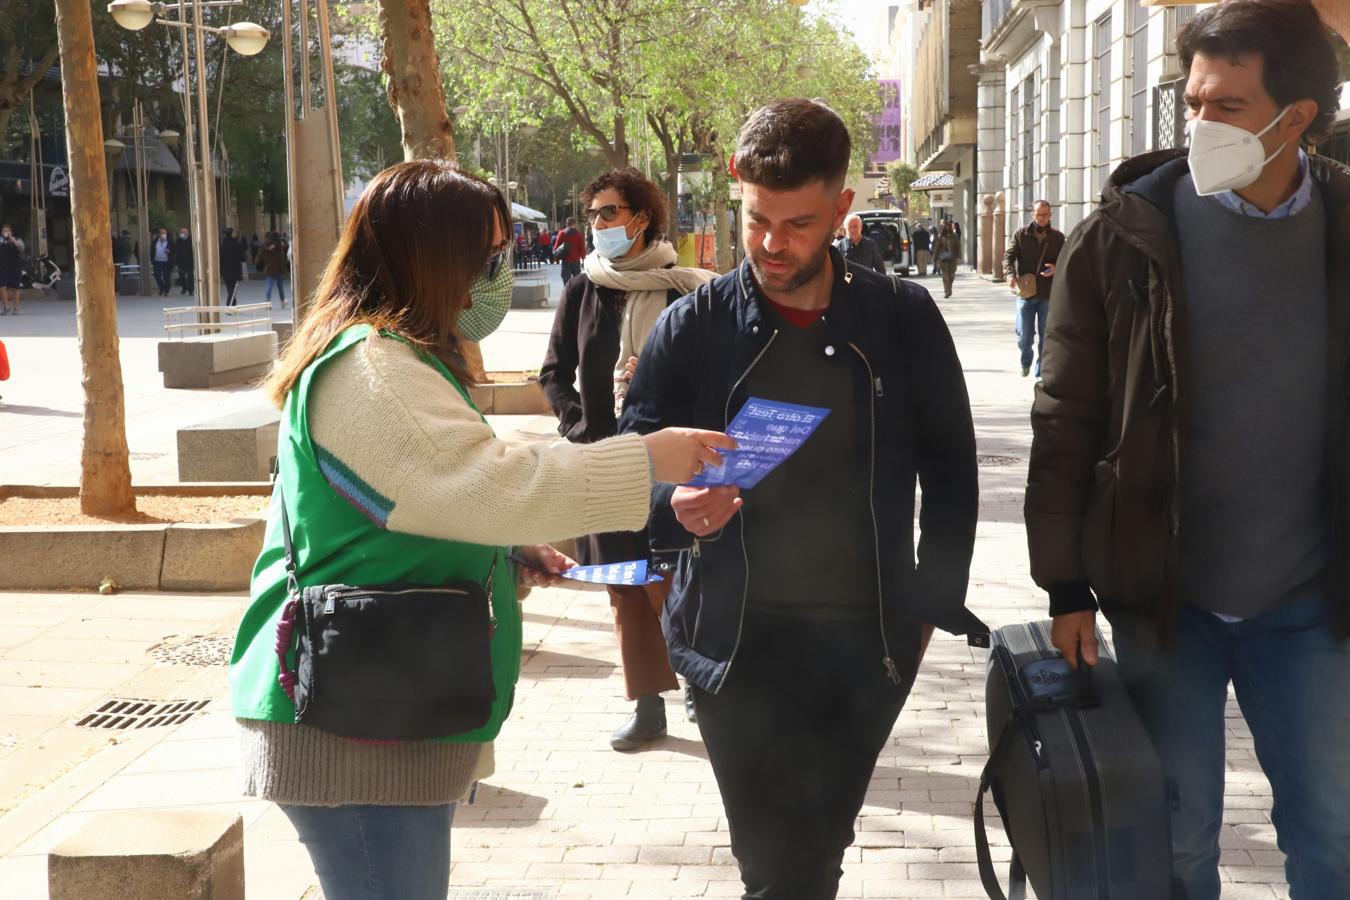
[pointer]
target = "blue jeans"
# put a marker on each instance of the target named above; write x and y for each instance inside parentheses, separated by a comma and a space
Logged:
(280, 286)
(1031, 325)
(1291, 674)
(377, 852)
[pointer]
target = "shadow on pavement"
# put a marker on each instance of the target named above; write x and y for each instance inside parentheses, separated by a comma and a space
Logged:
(39, 411)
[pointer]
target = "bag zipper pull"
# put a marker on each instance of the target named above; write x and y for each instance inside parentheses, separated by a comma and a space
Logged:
(331, 606)
(877, 387)
(891, 671)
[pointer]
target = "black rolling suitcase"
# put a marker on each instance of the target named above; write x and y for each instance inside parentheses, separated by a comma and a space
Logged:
(1081, 790)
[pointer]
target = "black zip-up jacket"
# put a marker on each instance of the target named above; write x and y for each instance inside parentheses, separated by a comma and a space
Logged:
(917, 427)
(1103, 506)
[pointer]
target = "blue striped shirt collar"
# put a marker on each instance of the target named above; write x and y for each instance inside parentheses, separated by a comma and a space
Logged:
(1291, 207)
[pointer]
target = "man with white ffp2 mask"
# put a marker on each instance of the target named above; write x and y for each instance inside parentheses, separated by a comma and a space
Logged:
(1190, 467)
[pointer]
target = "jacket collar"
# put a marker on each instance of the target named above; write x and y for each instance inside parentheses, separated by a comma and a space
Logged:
(750, 302)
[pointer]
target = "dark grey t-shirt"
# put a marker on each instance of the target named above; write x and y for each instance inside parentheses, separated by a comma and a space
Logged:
(1255, 517)
(808, 524)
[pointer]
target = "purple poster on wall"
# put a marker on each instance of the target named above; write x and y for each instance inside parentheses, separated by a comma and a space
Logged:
(888, 126)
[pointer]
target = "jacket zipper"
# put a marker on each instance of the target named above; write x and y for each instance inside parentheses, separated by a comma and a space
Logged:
(1088, 761)
(745, 552)
(887, 662)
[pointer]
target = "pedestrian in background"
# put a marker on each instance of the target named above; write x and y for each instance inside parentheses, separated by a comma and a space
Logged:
(11, 271)
(161, 257)
(1029, 266)
(389, 474)
(602, 322)
(274, 262)
(797, 611)
(231, 263)
(182, 259)
(858, 248)
(922, 242)
(947, 249)
(1190, 470)
(574, 250)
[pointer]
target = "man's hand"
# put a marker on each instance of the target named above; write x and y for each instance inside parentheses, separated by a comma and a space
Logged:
(1074, 632)
(628, 370)
(1049, 270)
(1012, 282)
(703, 511)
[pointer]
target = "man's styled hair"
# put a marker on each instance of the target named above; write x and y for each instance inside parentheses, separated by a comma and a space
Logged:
(1040, 203)
(790, 143)
(1299, 61)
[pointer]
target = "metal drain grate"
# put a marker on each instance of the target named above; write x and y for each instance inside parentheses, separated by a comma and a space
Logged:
(198, 650)
(502, 894)
(120, 713)
(990, 462)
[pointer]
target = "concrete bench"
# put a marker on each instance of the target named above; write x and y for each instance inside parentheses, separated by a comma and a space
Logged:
(240, 446)
(215, 359)
(530, 289)
(152, 855)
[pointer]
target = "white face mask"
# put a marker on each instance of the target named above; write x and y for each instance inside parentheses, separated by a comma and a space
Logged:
(1226, 157)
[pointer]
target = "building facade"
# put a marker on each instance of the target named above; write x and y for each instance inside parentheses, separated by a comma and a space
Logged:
(1068, 90)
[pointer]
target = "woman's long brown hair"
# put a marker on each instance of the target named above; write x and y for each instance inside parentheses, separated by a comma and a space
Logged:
(413, 244)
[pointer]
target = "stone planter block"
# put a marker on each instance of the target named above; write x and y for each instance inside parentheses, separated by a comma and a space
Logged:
(151, 855)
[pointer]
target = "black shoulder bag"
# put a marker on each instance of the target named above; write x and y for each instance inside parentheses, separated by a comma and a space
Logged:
(399, 662)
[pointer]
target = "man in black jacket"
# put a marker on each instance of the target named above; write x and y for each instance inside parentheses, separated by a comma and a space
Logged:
(1191, 455)
(1034, 250)
(859, 248)
(797, 611)
(182, 259)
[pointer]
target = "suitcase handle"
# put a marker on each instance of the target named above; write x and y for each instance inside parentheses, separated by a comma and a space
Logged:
(1017, 876)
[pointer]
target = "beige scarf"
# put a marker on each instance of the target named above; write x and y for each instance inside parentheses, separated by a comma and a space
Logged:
(645, 278)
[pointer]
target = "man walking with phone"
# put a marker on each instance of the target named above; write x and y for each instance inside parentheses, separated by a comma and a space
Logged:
(1029, 266)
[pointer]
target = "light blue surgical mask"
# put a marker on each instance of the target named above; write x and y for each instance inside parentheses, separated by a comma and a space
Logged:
(613, 243)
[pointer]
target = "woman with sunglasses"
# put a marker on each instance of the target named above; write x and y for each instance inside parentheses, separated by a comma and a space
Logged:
(600, 327)
(388, 474)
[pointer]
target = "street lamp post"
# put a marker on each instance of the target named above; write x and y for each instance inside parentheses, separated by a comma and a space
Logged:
(246, 39)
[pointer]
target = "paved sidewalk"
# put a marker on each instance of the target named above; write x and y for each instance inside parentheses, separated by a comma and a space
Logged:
(564, 814)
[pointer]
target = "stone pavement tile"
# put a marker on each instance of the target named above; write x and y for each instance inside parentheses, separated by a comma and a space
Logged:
(74, 673)
(35, 701)
(24, 877)
(57, 649)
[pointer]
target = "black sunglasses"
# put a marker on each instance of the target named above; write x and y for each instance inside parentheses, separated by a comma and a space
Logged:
(604, 212)
(494, 262)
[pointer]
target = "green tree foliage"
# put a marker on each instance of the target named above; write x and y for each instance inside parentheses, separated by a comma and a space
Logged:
(902, 175)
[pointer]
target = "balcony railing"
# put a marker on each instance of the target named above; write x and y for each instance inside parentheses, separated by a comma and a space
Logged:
(1169, 115)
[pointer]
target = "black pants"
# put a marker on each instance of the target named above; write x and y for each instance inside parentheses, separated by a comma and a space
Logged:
(185, 279)
(569, 271)
(793, 737)
(229, 292)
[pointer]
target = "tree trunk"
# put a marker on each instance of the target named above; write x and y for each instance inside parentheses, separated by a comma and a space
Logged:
(105, 470)
(414, 73)
(415, 93)
(721, 233)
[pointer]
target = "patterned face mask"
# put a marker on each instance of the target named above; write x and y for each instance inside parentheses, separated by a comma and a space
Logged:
(491, 298)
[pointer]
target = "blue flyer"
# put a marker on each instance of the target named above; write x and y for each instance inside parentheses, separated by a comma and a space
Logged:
(768, 432)
(622, 573)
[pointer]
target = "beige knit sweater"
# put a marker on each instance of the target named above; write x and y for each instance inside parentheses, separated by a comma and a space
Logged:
(404, 430)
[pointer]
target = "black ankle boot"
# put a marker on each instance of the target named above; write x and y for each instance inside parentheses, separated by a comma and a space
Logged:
(647, 724)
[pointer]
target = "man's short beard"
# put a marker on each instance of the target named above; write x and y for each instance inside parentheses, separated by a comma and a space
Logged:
(804, 275)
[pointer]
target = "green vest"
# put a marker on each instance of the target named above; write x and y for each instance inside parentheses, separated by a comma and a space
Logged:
(336, 544)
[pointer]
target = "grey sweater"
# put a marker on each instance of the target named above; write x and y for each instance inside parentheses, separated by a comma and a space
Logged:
(1255, 522)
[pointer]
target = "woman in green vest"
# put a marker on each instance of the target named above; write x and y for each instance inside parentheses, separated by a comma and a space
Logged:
(390, 474)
